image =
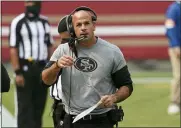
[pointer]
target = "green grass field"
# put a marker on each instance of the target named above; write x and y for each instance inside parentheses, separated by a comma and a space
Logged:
(147, 106)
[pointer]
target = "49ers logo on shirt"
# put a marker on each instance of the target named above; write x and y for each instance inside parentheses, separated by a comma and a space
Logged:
(85, 64)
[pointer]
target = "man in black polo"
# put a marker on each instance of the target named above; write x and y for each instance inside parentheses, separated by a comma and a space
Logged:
(30, 47)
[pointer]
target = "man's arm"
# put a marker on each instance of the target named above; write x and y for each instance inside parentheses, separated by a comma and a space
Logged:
(14, 58)
(50, 73)
(51, 70)
(122, 93)
(16, 66)
(122, 81)
(14, 39)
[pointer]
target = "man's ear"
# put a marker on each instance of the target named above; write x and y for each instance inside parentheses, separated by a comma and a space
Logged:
(94, 25)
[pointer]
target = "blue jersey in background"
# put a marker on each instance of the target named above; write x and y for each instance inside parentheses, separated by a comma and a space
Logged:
(173, 27)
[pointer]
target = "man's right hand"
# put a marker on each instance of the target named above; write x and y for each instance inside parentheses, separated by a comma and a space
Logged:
(65, 61)
(20, 80)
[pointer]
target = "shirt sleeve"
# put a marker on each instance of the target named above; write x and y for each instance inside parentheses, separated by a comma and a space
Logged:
(120, 73)
(56, 54)
(118, 61)
(48, 35)
(14, 34)
(171, 26)
(171, 12)
(62, 49)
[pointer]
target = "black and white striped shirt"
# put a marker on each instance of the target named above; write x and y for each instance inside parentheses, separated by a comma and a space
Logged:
(32, 38)
(56, 90)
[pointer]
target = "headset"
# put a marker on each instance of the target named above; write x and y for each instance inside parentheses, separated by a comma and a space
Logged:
(70, 27)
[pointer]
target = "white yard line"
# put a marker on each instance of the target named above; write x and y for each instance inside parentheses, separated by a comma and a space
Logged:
(151, 80)
(7, 118)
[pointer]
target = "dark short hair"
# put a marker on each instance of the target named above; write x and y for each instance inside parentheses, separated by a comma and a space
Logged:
(62, 27)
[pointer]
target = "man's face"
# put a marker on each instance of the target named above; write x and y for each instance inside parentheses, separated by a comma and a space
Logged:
(83, 25)
(29, 5)
(32, 9)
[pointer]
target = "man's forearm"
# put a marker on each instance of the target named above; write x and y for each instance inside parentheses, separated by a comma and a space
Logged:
(49, 75)
(14, 58)
(121, 94)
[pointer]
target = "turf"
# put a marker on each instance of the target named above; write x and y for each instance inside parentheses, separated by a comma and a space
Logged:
(151, 74)
(147, 106)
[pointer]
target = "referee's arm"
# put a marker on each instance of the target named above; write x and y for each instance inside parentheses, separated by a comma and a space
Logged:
(50, 41)
(14, 58)
(50, 51)
(13, 42)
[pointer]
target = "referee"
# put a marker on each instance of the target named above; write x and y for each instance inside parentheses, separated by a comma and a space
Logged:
(58, 107)
(30, 47)
(56, 88)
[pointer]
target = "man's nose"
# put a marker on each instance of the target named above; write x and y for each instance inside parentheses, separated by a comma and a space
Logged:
(83, 27)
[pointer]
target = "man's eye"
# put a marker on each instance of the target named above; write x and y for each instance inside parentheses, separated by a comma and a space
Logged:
(87, 23)
(78, 25)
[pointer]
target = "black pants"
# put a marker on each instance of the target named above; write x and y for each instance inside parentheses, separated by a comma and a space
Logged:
(58, 113)
(31, 98)
(100, 122)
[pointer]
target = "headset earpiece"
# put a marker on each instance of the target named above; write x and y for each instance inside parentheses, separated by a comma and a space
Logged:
(70, 27)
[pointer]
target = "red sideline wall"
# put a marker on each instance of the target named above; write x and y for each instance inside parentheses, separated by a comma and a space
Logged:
(110, 14)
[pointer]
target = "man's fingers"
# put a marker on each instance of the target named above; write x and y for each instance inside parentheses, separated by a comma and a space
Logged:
(67, 63)
(106, 101)
(67, 60)
(103, 98)
(64, 62)
(68, 57)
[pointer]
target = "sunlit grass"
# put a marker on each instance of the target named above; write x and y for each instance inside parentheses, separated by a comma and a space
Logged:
(146, 107)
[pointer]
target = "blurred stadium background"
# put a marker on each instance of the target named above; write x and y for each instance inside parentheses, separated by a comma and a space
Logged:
(138, 29)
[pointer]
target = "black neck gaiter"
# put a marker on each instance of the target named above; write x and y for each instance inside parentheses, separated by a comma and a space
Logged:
(32, 12)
